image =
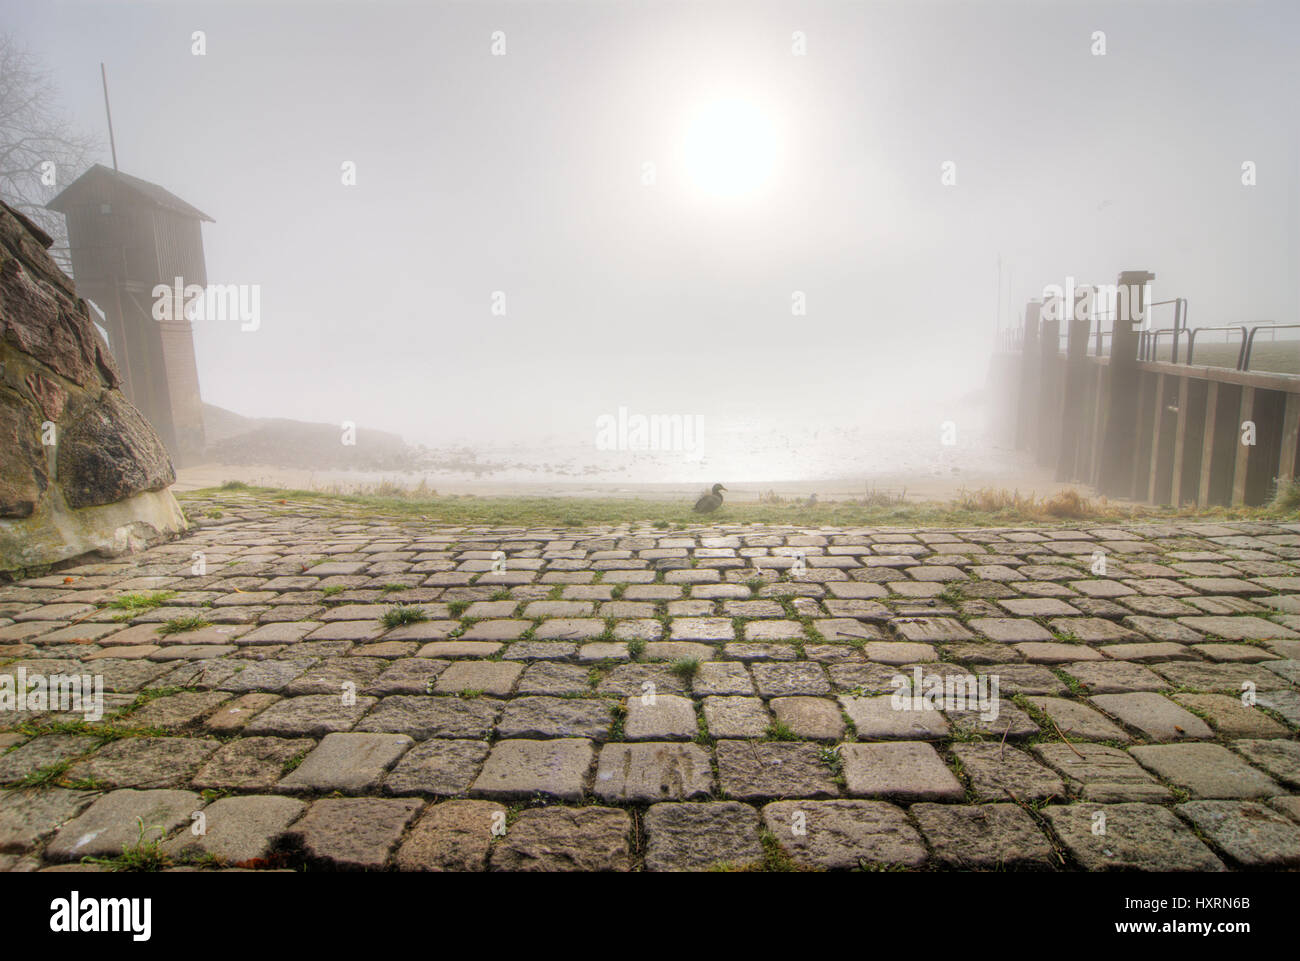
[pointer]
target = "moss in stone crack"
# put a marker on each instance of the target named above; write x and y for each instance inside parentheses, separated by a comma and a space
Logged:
(831, 757)
(136, 601)
(686, 667)
(618, 711)
(48, 776)
(187, 622)
(401, 614)
(702, 735)
(141, 856)
(778, 731)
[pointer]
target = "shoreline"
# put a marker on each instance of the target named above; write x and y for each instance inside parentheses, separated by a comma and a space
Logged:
(908, 486)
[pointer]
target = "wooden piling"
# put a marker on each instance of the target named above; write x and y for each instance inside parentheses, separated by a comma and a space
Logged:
(1072, 419)
(1026, 420)
(1120, 442)
(1241, 463)
(1180, 443)
(1207, 443)
(1049, 401)
(1157, 421)
(1290, 438)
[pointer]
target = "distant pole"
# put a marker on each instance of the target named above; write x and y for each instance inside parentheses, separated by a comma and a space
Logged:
(103, 74)
(997, 323)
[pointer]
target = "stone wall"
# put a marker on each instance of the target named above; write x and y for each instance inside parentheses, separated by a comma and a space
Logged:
(81, 470)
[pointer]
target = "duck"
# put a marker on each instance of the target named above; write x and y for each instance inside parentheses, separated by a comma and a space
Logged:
(710, 502)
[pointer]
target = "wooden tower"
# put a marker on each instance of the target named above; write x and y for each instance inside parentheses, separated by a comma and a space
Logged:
(127, 236)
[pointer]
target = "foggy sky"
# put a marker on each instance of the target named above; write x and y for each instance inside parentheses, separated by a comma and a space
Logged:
(522, 173)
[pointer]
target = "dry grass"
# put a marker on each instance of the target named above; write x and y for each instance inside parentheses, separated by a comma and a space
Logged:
(1069, 505)
(1287, 497)
(872, 498)
(980, 508)
(1066, 505)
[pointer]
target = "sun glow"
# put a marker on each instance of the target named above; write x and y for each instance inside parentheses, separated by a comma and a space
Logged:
(730, 148)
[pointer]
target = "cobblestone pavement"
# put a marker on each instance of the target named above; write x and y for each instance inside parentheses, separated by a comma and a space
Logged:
(286, 688)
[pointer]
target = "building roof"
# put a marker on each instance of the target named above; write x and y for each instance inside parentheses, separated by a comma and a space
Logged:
(99, 175)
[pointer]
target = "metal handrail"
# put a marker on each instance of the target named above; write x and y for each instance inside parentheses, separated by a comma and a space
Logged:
(1241, 353)
(1250, 341)
(1180, 323)
(1148, 340)
(1149, 343)
(1151, 338)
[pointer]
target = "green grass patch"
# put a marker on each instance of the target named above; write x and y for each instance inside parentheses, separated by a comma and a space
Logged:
(778, 731)
(141, 856)
(982, 508)
(618, 711)
(685, 667)
(48, 776)
(136, 601)
(401, 614)
(187, 622)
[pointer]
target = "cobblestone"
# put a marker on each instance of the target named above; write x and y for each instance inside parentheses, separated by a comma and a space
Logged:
(668, 695)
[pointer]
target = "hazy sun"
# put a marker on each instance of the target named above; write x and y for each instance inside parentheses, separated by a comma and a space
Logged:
(730, 148)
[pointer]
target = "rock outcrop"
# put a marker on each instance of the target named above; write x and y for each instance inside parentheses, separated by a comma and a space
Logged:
(81, 471)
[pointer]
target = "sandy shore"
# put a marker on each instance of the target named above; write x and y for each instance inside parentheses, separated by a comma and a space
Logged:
(1019, 473)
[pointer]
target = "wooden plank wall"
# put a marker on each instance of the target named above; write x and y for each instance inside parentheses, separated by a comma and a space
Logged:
(1156, 432)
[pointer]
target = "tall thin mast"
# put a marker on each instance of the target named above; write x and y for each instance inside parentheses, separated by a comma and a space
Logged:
(111, 142)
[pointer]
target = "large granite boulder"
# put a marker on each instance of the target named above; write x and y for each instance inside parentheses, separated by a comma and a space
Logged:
(82, 471)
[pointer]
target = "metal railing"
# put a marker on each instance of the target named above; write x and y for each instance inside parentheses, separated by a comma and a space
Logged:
(1149, 340)
(1179, 328)
(1249, 344)
(1241, 352)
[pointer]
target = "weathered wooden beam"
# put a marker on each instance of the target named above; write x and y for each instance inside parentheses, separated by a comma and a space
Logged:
(1282, 383)
(1120, 442)
(1072, 415)
(1180, 443)
(1138, 489)
(1157, 417)
(1290, 438)
(1241, 463)
(1026, 421)
(1049, 406)
(1207, 443)
(1098, 424)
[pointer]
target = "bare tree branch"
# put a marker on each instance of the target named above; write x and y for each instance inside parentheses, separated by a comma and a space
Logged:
(40, 150)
